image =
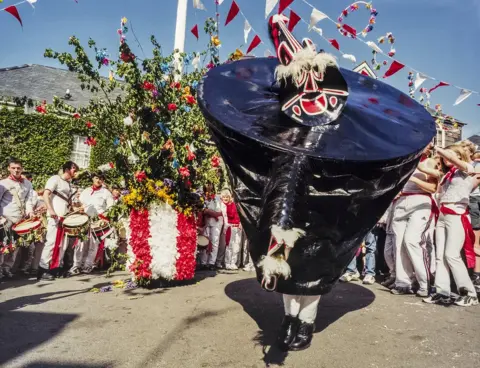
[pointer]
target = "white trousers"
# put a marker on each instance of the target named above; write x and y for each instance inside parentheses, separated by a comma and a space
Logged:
(411, 228)
(213, 233)
(449, 239)
(47, 253)
(85, 252)
(232, 250)
(302, 306)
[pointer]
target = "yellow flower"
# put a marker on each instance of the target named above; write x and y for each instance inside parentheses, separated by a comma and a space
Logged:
(216, 41)
(186, 90)
(124, 20)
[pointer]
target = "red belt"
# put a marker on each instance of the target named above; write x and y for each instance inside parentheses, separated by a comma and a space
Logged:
(228, 233)
(58, 243)
(469, 234)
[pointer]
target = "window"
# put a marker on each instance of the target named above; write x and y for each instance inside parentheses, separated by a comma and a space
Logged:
(81, 152)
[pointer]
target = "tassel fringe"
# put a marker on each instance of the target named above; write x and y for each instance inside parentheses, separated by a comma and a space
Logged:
(305, 61)
(289, 237)
(274, 266)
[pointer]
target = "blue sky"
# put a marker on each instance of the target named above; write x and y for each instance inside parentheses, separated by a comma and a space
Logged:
(437, 37)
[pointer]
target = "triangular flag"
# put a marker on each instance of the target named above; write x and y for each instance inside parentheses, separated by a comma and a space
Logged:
(269, 7)
(441, 84)
(246, 30)
(267, 53)
(197, 4)
(334, 43)
(394, 67)
(374, 46)
(352, 58)
(294, 19)
(13, 10)
(284, 4)
(419, 79)
(196, 61)
(352, 31)
(464, 94)
(194, 30)
(316, 17)
(255, 42)
(220, 2)
(317, 30)
(233, 12)
(31, 2)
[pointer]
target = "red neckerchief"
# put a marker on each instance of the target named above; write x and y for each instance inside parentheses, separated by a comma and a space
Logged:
(210, 196)
(95, 189)
(449, 175)
(423, 158)
(11, 177)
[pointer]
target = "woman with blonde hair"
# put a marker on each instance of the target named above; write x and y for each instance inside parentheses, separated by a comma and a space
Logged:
(454, 230)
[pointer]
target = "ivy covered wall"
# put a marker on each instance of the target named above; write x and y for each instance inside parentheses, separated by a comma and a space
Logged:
(42, 142)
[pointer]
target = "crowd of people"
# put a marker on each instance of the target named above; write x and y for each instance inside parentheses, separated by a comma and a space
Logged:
(428, 240)
(430, 234)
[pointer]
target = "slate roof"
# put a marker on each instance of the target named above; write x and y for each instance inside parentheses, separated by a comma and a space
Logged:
(39, 82)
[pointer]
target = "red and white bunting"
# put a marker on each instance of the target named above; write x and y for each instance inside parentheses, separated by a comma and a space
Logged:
(294, 19)
(246, 30)
(441, 84)
(284, 4)
(316, 17)
(194, 31)
(394, 68)
(232, 13)
(14, 11)
(464, 94)
(255, 42)
(269, 7)
(197, 4)
(334, 43)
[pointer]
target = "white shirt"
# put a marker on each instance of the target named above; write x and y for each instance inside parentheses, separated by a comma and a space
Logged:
(58, 184)
(15, 199)
(458, 190)
(412, 187)
(214, 205)
(96, 202)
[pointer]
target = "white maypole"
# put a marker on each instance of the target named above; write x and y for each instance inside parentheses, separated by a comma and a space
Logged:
(180, 31)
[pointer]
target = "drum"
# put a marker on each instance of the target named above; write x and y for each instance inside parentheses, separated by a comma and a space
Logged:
(28, 226)
(74, 223)
(202, 241)
(102, 229)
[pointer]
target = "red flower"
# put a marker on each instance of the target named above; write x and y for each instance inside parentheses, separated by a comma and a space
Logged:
(176, 85)
(210, 65)
(91, 141)
(190, 155)
(186, 245)
(172, 107)
(191, 100)
(140, 233)
(184, 172)
(148, 86)
(111, 164)
(76, 115)
(215, 161)
(89, 124)
(127, 57)
(140, 176)
(41, 109)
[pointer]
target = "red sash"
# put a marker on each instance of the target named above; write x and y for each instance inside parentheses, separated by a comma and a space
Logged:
(469, 234)
(58, 243)
(434, 211)
(99, 257)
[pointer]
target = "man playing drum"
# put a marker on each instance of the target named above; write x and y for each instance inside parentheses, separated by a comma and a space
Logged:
(96, 201)
(57, 197)
(15, 204)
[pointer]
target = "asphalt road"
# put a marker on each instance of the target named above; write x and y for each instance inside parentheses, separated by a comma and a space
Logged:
(223, 321)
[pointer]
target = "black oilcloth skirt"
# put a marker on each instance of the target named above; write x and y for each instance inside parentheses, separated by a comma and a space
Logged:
(333, 181)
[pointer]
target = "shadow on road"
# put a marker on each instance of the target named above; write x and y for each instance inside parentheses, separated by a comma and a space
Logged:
(266, 309)
(67, 365)
(21, 331)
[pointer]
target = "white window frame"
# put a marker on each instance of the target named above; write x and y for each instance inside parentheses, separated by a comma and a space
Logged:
(81, 152)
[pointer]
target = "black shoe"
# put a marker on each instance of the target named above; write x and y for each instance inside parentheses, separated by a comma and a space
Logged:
(44, 275)
(304, 337)
(288, 331)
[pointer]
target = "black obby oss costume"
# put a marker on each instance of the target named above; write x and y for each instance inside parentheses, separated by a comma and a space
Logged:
(315, 155)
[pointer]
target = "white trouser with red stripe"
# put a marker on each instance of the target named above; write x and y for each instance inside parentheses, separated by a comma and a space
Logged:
(302, 306)
(213, 234)
(449, 239)
(86, 252)
(48, 249)
(411, 227)
(233, 248)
